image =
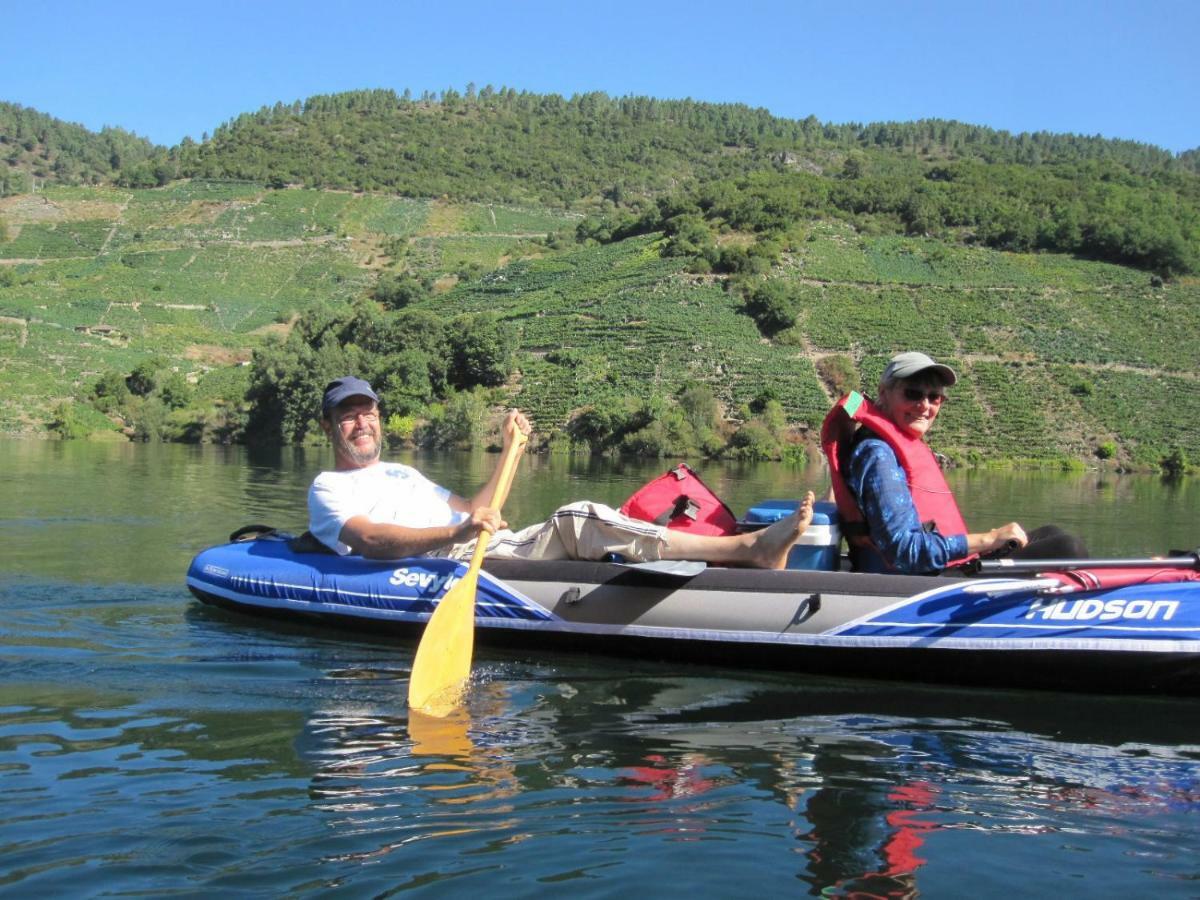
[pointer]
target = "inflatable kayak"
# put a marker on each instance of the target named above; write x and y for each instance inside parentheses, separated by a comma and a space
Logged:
(1132, 630)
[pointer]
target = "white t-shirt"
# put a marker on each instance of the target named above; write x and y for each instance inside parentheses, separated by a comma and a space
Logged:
(387, 493)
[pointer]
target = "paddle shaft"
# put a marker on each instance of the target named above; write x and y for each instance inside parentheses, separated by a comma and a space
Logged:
(1045, 565)
(443, 658)
(508, 469)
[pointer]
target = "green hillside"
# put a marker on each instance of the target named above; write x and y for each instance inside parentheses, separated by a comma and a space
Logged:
(35, 147)
(1059, 355)
(199, 274)
(1114, 200)
(643, 276)
(505, 144)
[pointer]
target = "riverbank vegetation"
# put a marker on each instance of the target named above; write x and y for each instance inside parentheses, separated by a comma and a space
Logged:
(650, 277)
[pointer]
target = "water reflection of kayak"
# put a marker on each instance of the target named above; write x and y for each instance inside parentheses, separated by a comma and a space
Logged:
(1128, 635)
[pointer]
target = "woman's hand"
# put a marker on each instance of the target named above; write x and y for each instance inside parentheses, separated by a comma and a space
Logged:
(1011, 535)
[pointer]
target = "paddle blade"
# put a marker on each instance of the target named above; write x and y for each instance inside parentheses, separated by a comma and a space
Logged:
(443, 660)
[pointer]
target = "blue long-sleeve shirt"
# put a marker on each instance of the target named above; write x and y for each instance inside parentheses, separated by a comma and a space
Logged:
(876, 478)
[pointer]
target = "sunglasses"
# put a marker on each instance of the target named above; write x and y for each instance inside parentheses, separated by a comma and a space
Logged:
(916, 395)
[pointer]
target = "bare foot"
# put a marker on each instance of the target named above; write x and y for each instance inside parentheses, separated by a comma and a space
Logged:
(772, 544)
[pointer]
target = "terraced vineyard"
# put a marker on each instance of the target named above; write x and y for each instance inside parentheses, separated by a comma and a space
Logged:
(198, 272)
(1058, 355)
(605, 323)
(1055, 353)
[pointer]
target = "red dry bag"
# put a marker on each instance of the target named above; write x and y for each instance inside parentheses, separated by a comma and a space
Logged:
(680, 500)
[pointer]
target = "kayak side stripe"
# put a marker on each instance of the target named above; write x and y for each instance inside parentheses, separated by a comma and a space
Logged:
(1014, 626)
(553, 623)
(870, 617)
(353, 611)
(998, 609)
(283, 594)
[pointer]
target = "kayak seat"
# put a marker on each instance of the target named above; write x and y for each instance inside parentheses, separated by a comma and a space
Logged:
(307, 543)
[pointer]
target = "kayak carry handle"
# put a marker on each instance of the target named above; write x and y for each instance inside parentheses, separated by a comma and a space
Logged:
(1185, 561)
(252, 532)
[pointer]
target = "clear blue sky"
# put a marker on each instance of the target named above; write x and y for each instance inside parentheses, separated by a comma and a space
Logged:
(1123, 69)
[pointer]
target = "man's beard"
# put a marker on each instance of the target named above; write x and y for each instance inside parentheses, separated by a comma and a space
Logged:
(354, 454)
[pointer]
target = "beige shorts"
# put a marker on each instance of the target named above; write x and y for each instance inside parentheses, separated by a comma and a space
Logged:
(583, 530)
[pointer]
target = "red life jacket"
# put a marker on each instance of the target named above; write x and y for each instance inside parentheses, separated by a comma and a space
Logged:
(931, 495)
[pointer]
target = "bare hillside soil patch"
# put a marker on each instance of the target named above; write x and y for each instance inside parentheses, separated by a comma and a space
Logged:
(33, 209)
(211, 354)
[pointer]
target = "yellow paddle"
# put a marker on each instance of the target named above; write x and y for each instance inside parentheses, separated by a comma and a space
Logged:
(443, 661)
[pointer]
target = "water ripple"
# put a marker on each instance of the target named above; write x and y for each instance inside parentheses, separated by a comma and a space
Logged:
(162, 749)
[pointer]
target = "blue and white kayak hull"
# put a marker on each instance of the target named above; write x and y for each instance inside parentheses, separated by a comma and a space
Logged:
(1005, 631)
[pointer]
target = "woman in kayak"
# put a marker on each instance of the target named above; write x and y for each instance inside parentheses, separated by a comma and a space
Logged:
(897, 511)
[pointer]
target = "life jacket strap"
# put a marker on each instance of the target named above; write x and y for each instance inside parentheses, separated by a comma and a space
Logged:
(683, 506)
(851, 530)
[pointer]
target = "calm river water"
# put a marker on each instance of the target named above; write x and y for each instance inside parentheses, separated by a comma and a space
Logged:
(150, 746)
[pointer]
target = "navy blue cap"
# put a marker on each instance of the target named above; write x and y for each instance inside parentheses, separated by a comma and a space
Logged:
(342, 389)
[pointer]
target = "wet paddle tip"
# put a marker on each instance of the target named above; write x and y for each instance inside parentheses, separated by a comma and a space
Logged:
(439, 703)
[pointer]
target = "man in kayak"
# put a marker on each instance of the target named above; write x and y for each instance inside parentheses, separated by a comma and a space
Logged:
(897, 512)
(385, 510)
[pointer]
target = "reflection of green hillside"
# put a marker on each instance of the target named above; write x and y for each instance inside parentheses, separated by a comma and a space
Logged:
(86, 732)
(147, 509)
